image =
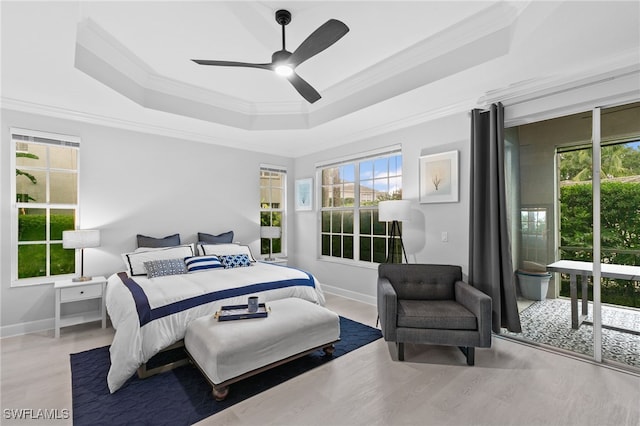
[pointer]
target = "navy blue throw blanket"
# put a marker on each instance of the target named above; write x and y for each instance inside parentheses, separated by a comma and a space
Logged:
(182, 396)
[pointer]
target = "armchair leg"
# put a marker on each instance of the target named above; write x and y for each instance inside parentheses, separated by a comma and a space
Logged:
(400, 347)
(469, 352)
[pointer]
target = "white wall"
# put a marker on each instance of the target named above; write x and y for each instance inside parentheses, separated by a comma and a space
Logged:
(422, 234)
(135, 183)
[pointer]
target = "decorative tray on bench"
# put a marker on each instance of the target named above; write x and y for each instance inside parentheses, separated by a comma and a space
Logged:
(238, 312)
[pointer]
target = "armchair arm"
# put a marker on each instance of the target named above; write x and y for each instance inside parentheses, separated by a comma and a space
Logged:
(480, 305)
(387, 309)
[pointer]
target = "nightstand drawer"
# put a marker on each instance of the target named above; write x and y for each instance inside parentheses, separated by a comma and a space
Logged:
(80, 292)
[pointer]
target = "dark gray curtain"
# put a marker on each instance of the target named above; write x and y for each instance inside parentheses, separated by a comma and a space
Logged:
(490, 265)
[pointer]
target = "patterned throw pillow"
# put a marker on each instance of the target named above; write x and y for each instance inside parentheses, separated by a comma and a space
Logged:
(162, 267)
(235, 260)
(202, 263)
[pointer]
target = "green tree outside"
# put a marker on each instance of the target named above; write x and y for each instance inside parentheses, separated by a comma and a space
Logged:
(620, 216)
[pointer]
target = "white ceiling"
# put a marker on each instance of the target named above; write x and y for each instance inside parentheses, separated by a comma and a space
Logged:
(128, 64)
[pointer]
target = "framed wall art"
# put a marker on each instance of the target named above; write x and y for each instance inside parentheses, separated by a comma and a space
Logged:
(304, 194)
(439, 178)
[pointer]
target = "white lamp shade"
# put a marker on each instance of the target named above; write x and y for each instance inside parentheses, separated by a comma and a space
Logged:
(80, 239)
(391, 210)
(270, 232)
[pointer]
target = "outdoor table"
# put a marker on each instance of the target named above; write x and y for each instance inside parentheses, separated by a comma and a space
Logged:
(585, 269)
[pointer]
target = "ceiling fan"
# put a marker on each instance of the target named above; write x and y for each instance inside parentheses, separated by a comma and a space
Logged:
(284, 62)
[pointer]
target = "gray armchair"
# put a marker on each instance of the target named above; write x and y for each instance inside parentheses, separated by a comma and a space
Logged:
(430, 304)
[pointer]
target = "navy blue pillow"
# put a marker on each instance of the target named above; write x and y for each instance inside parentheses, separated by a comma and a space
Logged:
(168, 241)
(224, 238)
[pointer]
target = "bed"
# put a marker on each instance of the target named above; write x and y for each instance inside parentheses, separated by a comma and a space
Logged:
(151, 312)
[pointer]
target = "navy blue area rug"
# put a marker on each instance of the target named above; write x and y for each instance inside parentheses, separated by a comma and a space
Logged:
(182, 396)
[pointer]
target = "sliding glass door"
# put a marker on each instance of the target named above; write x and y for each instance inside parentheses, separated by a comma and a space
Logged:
(579, 201)
(619, 195)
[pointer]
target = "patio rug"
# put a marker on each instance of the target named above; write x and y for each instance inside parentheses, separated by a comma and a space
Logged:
(182, 396)
(549, 322)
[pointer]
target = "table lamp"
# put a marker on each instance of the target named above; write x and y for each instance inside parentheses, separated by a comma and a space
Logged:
(81, 239)
(270, 232)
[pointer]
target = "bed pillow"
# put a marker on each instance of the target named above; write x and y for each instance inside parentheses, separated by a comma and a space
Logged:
(235, 260)
(224, 238)
(135, 260)
(163, 267)
(226, 249)
(168, 241)
(202, 263)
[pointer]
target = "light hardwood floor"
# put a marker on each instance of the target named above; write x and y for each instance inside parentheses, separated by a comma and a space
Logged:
(511, 383)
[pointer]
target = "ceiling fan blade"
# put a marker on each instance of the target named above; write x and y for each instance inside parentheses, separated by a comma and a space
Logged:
(327, 34)
(232, 64)
(304, 88)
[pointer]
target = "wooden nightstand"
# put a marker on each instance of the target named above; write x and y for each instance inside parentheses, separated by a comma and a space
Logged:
(69, 291)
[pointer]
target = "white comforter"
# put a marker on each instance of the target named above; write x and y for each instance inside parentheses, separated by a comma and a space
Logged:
(134, 345)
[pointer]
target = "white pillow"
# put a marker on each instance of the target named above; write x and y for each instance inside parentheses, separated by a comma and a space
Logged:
(200, 246)
(135, 260)
(226, 249)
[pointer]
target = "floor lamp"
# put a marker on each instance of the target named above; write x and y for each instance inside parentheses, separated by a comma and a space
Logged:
(81, 239)
(394, 211)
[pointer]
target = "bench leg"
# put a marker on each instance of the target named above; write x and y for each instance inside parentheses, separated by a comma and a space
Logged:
(220, 392)
(329, 350)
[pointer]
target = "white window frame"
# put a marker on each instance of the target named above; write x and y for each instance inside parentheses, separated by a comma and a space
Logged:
(282, 210)
(44, 138)
(355, 159)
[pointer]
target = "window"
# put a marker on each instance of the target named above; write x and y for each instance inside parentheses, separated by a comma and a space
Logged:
(273, 186)
(351, 191)
(45, 191)
(534, 229)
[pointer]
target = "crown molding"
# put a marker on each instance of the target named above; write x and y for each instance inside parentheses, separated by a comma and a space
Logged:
(102, 120)
(411, 121)
(610, 82)
(622, 65)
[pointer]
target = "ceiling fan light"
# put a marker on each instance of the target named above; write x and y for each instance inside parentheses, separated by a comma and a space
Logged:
(284, 70)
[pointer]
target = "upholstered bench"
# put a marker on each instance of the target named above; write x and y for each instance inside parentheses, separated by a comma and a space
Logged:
(229, 351)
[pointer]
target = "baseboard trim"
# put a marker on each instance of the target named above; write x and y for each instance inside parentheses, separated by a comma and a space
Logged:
(27, 327)
(358, 297)
(49, 324)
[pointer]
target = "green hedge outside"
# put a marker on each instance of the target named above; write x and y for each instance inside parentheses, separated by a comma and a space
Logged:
(32, 259)
(620, 234)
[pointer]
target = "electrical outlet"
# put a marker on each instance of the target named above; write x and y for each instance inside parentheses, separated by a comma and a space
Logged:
(444, 237)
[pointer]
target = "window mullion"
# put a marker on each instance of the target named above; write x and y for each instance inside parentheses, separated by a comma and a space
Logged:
(47, 241)
(356, 214)
(47, 236)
